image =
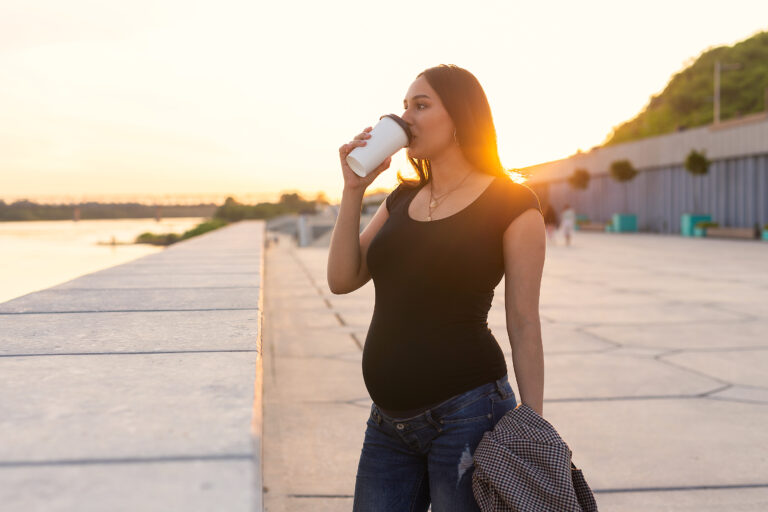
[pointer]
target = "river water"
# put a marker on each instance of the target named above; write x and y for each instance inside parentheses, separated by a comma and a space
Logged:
(35, 255)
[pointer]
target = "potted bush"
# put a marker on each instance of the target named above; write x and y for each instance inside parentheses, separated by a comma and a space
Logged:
(700, 229)
(579, 180)
(697, 164)
(623, 171)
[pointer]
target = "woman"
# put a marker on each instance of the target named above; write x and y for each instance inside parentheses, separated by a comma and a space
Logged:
(569, 223)
(436, 249)
(550, 221)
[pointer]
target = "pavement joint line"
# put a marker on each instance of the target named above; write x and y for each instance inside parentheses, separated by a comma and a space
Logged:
(357, 342)
(132, 274)
(62, 290)
(127, 460)
(124, 311)
(129, 353)
(596, 491)
(573, 399)
(734, 399)
(320, 496)
(638, 397)
(714, 487)
(584, 330)
(660, 359)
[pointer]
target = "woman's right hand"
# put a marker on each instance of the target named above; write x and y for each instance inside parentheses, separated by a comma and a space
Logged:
(351, 179)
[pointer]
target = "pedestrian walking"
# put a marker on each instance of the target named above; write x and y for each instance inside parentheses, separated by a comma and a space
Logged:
(550, 221)
(568, 223)
(436, 249)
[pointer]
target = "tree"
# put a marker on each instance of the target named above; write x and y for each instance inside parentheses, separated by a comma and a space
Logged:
(697, 164)
(623, 171)
(579, 179)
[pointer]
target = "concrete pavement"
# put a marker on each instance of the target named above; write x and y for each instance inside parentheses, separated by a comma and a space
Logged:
(655, 350)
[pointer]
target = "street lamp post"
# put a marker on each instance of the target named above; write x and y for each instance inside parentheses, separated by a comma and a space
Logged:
(720, 67)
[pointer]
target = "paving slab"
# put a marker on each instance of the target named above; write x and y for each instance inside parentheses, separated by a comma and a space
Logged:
(128, 486)
(704, 334)
(131, 299)
(701, 500)
(146, 331)
(128, 280)
(743, 367)
(155, 404)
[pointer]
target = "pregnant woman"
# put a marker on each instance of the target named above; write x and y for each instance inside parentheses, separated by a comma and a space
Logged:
(436, 249)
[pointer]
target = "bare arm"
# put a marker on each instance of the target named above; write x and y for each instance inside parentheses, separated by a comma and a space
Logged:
(347, 270)
(524, 251)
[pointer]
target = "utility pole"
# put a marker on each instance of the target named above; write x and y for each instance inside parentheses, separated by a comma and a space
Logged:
(720, 67)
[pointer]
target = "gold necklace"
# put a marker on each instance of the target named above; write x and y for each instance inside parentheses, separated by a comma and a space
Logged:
(434, 203)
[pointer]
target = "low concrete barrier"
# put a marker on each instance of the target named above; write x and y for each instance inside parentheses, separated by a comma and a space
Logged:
(138, 387)
(723, 232)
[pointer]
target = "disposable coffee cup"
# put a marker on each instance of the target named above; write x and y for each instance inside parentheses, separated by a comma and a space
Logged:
(389, 136)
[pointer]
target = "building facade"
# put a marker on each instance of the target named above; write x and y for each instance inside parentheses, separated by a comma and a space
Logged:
(734, 192)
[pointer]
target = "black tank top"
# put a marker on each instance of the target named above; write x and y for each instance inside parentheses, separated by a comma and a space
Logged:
(434, 282)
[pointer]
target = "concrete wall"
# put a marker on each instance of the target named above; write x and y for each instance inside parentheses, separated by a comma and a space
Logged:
(138, 387)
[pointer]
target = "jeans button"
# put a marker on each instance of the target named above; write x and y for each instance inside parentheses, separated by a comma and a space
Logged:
(400, 426)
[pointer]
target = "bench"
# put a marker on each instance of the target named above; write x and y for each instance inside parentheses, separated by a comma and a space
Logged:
(591, 226)
(721, 232)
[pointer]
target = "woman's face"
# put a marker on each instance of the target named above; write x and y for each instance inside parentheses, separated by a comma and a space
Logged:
(430, 123)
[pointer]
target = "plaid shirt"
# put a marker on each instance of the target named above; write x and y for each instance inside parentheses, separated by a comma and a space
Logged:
(523, 465)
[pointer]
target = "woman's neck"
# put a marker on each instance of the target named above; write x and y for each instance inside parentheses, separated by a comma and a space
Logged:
(448, 170)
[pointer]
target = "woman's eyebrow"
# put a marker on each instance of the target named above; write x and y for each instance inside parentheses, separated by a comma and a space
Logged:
(417, 96)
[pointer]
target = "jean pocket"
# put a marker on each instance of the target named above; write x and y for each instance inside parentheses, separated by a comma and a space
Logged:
(470, 413)
(501, 405)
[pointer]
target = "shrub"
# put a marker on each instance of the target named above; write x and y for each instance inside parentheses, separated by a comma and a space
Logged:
(579, 179)
(170, 238)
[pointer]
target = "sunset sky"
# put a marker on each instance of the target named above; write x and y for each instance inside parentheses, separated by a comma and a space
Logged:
(172, 100)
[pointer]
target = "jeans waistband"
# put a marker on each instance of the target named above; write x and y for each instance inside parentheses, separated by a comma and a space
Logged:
(454, 403)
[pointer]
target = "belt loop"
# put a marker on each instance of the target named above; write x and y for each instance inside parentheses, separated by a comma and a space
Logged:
(500, 388)
(376, 414)
(431, 420)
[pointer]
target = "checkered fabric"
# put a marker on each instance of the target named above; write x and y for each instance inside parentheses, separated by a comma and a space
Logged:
(523, 465)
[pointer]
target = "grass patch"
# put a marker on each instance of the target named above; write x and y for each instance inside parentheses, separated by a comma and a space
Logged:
(171, 238)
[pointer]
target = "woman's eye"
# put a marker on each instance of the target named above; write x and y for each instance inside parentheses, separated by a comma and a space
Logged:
(420, 105)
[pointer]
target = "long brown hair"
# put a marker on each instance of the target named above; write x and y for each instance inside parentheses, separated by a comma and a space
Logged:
(465, 101)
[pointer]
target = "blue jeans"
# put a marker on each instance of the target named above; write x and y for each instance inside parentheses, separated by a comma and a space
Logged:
(407, 463)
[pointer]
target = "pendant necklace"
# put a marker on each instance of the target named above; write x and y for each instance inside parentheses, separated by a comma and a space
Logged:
(434, 203)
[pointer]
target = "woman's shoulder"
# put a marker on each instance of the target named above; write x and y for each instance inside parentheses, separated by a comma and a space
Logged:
(518, 194)
(402, 189)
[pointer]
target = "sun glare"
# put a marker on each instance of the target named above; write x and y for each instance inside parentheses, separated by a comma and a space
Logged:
(516, 176)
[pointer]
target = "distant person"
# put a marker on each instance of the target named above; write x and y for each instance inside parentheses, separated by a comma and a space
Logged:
(436, 249)
(550, 221)
(568, 223)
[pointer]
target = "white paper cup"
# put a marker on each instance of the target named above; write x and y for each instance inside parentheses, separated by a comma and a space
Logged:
(390, 135)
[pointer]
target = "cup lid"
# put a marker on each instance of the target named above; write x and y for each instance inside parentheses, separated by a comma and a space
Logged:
(402, 124)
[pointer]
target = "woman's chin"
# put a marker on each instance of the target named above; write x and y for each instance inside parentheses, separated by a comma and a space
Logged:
(414, 153)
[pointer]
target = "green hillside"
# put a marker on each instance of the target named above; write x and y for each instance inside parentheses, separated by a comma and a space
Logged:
(686, 102)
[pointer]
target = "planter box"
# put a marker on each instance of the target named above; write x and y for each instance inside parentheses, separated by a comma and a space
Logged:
(765, 234)
(624, 223)
(688, 222)
(592, 226)
(699, 232)
(580, 219)
(744, 233)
